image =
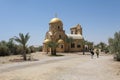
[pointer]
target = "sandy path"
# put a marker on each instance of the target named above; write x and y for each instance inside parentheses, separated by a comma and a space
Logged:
(18, 65)
(75, 67)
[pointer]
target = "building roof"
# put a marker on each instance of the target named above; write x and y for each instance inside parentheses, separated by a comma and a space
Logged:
(55, 20)
(46, 41)
(60, 41)
(78, 26)
(75, 36)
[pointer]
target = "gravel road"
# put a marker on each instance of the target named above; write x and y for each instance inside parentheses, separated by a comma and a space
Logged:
(68, 67)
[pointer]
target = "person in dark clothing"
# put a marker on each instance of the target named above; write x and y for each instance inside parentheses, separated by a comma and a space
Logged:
(92, 53)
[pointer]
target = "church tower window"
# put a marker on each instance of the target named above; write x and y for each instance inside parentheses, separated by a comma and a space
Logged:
(60, 36)
(71, 32)
(58, 27)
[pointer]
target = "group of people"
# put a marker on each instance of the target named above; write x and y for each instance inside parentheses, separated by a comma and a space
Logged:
(93, 52)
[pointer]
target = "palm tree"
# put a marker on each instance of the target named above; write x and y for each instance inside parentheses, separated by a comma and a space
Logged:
(83, 46)
(53, 46)
(23, 39)
(69, 41)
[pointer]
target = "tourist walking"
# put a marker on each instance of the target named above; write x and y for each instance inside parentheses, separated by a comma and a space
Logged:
(92, 53)
(97, 53)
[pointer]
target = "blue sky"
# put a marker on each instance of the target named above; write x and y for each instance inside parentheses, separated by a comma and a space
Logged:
(100, 19)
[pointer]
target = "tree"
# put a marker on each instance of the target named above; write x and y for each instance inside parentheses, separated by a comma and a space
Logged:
(32, 49)
(111, 48)
(53, 46)
(83, 45)
(69, 41)
(114, 45)
(102, 46)
(89, 45)
(23, 39)
(11, 45)
(4, 50)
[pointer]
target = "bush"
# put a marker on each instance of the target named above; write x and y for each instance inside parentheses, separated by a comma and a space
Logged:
(39, 48)
(32, 49)
(114, 45)
(4, 50)
(18, 50)
(117, 56)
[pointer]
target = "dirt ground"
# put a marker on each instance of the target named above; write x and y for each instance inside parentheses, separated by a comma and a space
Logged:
(72, 66)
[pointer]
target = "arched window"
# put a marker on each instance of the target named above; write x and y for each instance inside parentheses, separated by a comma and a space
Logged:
(60, 36)
(61, 46)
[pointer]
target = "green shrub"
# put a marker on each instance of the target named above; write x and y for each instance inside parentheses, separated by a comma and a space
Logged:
(114, 45)
(4, 50)
(117, 56)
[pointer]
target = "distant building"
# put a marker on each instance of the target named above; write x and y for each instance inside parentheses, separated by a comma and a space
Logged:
(67, 42)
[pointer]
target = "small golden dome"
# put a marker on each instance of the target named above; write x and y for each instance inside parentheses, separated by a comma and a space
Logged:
(47, 41)
(55, 20)
(60, 41)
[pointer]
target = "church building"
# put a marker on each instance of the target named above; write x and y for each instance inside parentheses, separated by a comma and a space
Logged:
(66, 42)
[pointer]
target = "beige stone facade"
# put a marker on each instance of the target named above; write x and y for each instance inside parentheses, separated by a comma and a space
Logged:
(58, 35)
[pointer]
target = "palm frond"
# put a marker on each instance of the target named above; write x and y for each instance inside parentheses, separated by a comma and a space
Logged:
(22, 39)
(27, 37)
(17, 39)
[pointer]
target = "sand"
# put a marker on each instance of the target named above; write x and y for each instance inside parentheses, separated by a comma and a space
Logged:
(72, 66)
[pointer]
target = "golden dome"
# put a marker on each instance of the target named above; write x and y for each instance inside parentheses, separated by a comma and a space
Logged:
(47, 41)
(60, 41)
(55, 20)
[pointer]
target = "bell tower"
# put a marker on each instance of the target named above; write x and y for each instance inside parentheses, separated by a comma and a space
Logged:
(76, 30)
